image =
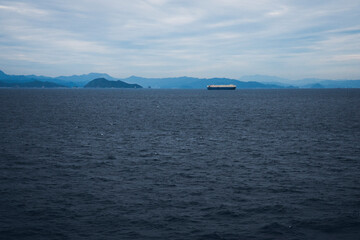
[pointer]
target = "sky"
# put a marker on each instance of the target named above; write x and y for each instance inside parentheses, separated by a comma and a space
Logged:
(292, 39)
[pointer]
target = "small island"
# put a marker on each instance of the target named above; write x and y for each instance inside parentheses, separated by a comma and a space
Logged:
(104, 83)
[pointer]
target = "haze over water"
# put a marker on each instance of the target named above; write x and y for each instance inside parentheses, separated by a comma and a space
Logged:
(179, 164)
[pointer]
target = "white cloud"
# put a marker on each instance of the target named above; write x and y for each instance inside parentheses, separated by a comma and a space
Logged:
(163, 37)
(22, 9)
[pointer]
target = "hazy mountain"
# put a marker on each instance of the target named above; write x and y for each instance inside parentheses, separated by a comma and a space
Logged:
(313, 85)
(323, 83)
(83, 79)
(265, 79)
(178, 82)
(341, 83)
(194, 83)
(70, 81)
(15, 78)
(250, 81)
(284, 82)
(32, 84)
(303, 83)
(2, 74)
(104, 83)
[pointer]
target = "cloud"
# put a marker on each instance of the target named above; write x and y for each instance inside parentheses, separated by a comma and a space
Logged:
(165, 37)
(22, 9)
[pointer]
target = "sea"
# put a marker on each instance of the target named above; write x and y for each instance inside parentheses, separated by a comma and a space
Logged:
(179, 164)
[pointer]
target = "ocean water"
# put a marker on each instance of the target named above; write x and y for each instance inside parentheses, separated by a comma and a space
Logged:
(179, 164)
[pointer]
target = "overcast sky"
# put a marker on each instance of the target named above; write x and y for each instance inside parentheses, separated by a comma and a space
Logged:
(167, 38)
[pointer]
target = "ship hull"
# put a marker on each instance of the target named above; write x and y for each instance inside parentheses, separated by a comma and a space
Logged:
(221, 88)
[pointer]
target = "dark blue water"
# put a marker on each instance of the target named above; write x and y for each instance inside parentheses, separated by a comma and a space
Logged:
(179, 164)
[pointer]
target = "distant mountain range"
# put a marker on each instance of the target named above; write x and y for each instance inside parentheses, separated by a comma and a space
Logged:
(194, 83)
(245, 82)
(32, 84)
(68, 81)
(303, 83)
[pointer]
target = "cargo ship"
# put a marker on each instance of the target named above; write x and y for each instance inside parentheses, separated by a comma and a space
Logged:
(221, 87)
